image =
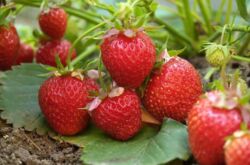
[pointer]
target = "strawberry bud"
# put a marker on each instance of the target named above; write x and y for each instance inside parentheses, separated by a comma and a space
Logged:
(217, 55)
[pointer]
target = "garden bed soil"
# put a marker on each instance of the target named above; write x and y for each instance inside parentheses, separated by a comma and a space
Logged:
(21, 147)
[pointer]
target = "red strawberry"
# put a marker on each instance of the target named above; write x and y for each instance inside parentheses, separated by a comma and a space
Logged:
(237, 150)
(61, 99)
(9, 44)
(47, 52)
(119, 116)
(54, 22)
(25, 54)
(128, 59)
(208, 126)
(172, 90)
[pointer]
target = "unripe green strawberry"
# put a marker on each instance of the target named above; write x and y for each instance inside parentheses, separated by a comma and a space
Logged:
(217, 55)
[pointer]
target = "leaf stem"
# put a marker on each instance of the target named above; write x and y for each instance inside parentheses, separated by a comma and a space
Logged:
(206, 16)
(219, 11)
(79, 39)
(189, 22)
(85, 54)
(240, 58)
(240, 28)
(245, 44)
(76, 12)
(174, 32)
(228, 11)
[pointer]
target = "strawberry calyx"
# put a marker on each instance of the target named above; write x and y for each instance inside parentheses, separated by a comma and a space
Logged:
(226, 100)
(6, 14)
(115, 91)
(237, 134)
(130, 33)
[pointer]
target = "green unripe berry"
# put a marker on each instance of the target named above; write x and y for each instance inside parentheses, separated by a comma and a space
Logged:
(217, 55)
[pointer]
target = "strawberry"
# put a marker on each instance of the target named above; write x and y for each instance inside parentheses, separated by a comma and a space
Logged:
(61, 99)
(9, 44)
(209, 125)
(47, 52)
(128, 59)
(25, 54)
(172, 90)
(237, 149)
(119, 116)
(53, 22)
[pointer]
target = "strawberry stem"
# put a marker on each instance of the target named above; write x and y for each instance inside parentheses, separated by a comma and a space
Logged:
(73, 11)
(86, 53)
(103, 86)
(223, 76)
(79, 39)
(240, 58)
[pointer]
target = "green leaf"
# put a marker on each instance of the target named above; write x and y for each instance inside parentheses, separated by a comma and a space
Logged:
(176, 52)
(147, 148)
(242, 7)
(141, 20)
(18, 98)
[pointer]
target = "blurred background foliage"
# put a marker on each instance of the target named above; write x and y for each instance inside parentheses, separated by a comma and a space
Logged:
(184, 23)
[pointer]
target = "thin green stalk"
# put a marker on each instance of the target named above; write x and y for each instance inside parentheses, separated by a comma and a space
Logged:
(206, 16)
(244, 45)
(241, 28)
(240, 58)
(76, 12)
(228, 11)
(219, 11)
(81, 14)
(214, 36)
(210, 9)
(189, 22)
(79, 39)
(85, 54)
(174, 32)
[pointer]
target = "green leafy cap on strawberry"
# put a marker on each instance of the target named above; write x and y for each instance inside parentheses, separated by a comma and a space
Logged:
(115, 91)
(236, 135)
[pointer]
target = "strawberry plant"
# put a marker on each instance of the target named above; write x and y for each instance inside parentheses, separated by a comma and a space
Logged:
(128, 82)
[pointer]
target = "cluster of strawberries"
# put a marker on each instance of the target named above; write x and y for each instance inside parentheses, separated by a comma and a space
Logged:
(173, 90)
(129, 57)
(12, 51)
(53, 23)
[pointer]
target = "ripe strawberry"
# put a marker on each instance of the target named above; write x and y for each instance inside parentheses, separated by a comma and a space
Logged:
(61, 99)
(119, 116)
(47, 52)
(128, 59)
(54, 22)
(172, 90)
(9, 44)
(208, 126)
(25, 54)
(237, 149)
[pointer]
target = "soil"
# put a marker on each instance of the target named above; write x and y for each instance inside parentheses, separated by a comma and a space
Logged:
(21, 147)
(18, 146)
